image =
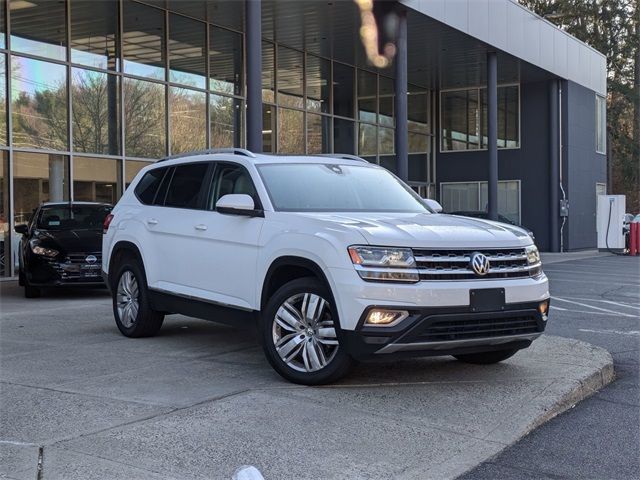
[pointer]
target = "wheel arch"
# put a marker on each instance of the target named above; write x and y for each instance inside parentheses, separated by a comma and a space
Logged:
(121, 248)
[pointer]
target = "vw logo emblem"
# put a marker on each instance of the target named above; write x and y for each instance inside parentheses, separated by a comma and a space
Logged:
(91, 259)
(479, 263)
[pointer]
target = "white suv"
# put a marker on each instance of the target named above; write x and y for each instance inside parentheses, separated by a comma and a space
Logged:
(335, 258)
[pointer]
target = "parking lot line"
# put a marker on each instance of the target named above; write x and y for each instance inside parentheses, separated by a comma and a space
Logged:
(615, 312)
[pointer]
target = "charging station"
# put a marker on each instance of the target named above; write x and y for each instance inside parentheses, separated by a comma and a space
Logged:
(610, 219)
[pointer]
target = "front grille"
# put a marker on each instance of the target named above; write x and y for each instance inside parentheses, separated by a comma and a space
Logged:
(454, 264)
(75, 267)
(448, 330)
(79, 258)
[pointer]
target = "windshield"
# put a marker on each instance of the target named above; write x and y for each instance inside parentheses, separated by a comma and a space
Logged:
(317, 187)
(76, 217)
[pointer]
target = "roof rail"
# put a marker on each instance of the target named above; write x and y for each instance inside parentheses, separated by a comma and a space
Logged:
(208, 151)
(343, 156)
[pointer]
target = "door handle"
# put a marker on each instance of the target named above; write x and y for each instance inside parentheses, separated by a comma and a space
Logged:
(200, 227)
(152, 221)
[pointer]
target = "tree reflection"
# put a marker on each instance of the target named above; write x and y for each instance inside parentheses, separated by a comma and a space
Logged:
(144, 116)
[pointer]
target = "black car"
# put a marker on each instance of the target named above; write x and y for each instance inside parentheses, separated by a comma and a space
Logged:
(62, 246)
(485, 215)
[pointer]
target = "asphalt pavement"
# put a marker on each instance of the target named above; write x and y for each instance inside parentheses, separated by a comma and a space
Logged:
(596, 300)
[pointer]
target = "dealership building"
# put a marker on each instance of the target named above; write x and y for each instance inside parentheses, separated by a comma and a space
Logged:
(92, 91)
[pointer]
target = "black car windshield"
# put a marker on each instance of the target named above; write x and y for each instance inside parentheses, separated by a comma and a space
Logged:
(314, 187)
(75, 217)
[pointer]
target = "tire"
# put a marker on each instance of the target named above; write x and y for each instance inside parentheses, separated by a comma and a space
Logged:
(486, 358)
(130, 297)
(308, 351)
(30, 291)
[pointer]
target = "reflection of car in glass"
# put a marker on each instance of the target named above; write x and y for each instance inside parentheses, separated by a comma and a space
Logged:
(61, 246)
(501, 218)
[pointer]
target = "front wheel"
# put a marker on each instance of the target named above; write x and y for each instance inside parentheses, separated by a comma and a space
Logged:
(486, 358)
(299, 333)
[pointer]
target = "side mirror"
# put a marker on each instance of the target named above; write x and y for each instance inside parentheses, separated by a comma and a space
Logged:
(22, 229)
(238, 204)
(432, 204)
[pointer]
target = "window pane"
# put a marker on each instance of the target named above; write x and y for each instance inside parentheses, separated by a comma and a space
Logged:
(6, 235)
(3, 99)
(367, 140)
(508, 117)
(343, 136)
(187, 60)
(268, 72)
(143, 40)
(418, 143)
(389, 162)
(225, 61)
(39, 102)
(94, 27)
(96, 180)
(184, 190)
(226, 121)
(144, 118)
(343, 90)
(386, 144)
(460, 197)
(601, 124)
(3, 43)
(268, 128)
(232, 179)
(147, 187)
(318, 84)
(418, 167)
(387, 91)
(37, 178)
(508, 199)
(367, 101)
(131, 169)
(290, 131)
(38, 28)
(290, 88)
(188, 120)
(318, 133)
(96, 106)
(193, 8)
(418, 112)
(460, 120)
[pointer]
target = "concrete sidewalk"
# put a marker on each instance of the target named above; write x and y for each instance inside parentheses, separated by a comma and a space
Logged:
(200, 400)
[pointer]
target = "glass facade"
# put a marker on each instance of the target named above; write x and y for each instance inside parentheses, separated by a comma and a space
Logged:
(473, 197)
(92, 91)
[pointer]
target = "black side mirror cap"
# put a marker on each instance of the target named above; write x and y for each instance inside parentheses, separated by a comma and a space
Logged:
(22, 229)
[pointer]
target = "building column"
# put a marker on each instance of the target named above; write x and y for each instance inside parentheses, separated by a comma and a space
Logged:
(554, 166)
(492, 133)
(253, 36)
(400, 99)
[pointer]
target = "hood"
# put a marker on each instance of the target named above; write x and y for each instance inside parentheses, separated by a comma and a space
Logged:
(70, 241)
(424, 230)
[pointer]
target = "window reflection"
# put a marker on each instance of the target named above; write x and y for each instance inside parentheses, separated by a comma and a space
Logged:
(268, 72)
(318, 84)
(290, 78)
(385, 107)
(268, 128)
(318, 133)
(225, 61)
(418, 143)
(131, 169)
(367, 88)
(39, 104)
(3, 99)
(226, 121)
(144, 118)
(3, 43)
(386, 141)
(94, 27)
(343, 90)
(188, 120)
(367, 140)
(460, 112)
(143, 40)
(6, 235)
(96, 179)
(187, 59)
(290, 131)
(343, 136)
(95, 117)
(42, 20)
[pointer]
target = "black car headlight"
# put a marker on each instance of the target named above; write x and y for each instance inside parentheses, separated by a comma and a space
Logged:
(44, 252)
(384, 264)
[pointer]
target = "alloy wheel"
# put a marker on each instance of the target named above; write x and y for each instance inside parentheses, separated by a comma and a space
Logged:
(304, 332)
(127, 298)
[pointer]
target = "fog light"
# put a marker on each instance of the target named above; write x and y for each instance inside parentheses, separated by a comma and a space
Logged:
(543, 308)
(385, 318)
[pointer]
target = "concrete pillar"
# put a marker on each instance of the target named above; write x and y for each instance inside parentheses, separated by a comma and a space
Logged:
(56, 178)
(253, 35)
(492, 133)
(400, 100)
(554, 167)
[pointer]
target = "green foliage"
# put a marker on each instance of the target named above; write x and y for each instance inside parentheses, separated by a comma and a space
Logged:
(613, 28)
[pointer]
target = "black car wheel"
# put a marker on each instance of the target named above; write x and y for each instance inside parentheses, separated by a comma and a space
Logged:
(131, 308)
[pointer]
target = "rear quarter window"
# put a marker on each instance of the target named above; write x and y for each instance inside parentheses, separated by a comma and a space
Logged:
(148, 186)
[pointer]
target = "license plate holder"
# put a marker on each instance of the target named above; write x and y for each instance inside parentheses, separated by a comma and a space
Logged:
(486, 299)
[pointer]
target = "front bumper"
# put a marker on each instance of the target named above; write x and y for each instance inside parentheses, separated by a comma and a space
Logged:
(52, 273)
(448, 331)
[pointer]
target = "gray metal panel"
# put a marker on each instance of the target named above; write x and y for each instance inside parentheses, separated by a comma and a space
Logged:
(518, 31)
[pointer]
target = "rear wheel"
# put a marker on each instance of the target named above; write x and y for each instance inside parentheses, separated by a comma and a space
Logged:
(299, 332)
(487, 358)
(131, 307)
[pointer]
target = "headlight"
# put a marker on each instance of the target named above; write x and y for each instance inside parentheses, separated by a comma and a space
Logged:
(384, 264)
(533, 256)
(45, 252)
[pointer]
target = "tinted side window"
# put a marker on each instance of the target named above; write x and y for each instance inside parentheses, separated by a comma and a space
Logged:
(148, 186)
(232, 179)
(186, 183)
